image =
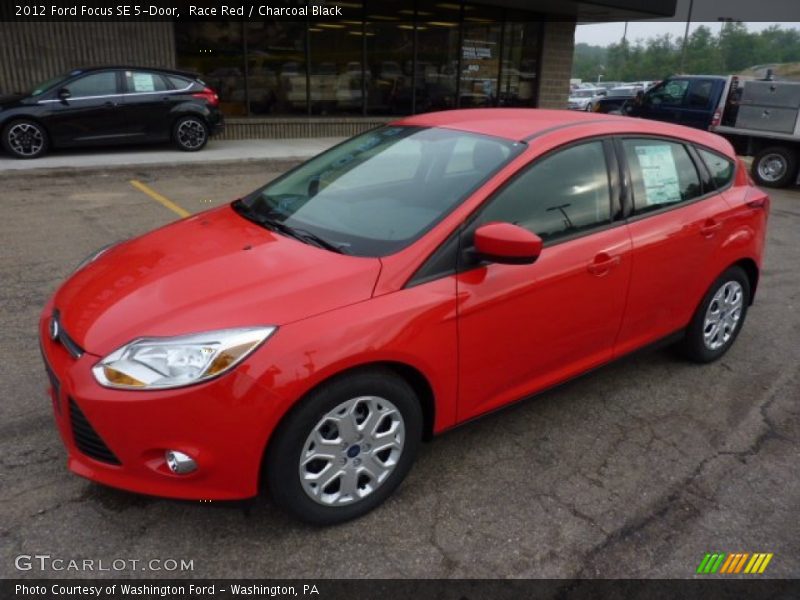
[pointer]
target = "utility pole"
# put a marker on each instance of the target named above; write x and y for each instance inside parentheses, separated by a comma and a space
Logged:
(686, 36)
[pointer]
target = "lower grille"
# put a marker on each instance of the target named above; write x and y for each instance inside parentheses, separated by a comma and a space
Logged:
(86, 438)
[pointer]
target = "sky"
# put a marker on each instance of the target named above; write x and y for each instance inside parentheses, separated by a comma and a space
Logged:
(703, 12)
(603, 34)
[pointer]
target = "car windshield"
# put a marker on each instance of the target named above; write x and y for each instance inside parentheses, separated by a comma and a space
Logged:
(47, 85)
(380, 191)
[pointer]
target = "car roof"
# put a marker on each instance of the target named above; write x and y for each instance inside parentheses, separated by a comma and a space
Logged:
(523, 124)
(167, 71)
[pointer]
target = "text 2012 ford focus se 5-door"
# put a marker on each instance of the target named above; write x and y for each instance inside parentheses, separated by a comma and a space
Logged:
(307, 336)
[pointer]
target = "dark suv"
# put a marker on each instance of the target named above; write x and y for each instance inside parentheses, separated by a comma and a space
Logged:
(110, 105)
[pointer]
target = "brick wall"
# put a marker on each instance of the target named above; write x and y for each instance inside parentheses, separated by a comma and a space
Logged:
(557, 49)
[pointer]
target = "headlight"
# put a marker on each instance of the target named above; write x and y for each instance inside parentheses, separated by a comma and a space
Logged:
(93, 256)
(159, 363)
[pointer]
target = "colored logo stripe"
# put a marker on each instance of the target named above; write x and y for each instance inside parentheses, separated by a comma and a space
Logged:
(734, 563)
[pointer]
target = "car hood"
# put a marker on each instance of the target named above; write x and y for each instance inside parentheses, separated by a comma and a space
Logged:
(211, 271)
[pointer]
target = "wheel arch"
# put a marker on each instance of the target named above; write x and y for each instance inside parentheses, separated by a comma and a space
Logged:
(411, 375)
(749, 266)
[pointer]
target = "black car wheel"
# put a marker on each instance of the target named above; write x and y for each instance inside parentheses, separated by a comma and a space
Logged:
(190, 134)
(719, 318)
(345, 448)
(775, 166)
(25, 139)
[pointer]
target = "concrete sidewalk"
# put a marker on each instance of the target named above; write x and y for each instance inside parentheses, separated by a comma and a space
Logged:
(164, 155)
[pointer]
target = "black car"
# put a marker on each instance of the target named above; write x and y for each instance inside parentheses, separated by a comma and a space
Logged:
(110, 105)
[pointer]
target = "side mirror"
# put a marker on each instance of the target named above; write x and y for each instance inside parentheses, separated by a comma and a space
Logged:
(64, 94)
(507, 244)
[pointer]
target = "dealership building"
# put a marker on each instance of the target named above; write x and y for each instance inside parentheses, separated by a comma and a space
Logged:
(312, 77)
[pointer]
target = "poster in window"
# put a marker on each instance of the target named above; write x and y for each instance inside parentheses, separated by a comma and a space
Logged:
(659, 174)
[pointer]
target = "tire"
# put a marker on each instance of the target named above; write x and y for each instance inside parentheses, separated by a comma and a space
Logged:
(25, 139)
(775, 167)
(317, 490)
(190, 134)
(699, 344)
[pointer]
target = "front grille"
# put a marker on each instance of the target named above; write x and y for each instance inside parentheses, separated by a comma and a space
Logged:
(86, 438)
(71, 346)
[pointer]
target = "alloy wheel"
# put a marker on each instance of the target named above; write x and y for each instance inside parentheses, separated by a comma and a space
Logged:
(352, 451)
(191, 134)
(723, 315)
(25, 139)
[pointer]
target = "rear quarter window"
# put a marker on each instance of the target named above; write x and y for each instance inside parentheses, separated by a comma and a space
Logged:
(179, 83)
(720, 167)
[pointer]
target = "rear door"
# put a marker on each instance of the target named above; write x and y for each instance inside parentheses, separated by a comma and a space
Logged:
(700, 102)
(676, 226)
(147, 104)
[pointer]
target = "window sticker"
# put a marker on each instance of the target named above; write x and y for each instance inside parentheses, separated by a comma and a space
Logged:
(659, 174)
(143, 82)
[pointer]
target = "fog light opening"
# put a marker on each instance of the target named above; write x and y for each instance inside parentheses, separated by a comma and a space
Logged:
(179, 463)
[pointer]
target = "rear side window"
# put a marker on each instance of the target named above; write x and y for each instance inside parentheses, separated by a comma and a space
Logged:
(96, 84)
(559, 195)
(720, 167)
(140, 81)
(179, 83)
(662, 174)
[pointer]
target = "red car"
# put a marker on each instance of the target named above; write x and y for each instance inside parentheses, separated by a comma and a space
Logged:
(307, 337)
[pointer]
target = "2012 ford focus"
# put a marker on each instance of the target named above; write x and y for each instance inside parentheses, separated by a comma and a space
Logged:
(305, 338)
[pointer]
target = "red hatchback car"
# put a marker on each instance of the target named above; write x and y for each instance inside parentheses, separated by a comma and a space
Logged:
(308, 336)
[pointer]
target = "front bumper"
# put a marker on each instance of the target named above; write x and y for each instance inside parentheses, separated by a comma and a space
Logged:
(224, 424)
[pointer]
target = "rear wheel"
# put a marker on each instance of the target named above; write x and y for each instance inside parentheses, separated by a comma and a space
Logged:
(775, 166)
(190, 134)
(346, 447)
(719, 318)
(25, 139)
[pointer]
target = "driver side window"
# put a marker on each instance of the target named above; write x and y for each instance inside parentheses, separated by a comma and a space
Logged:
(559, 195)
(670, 93)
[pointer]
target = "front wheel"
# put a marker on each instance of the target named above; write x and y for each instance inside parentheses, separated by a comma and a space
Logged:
(190, 134)
(25, 139)
(346, 447)
(775, 166)
(719, 318)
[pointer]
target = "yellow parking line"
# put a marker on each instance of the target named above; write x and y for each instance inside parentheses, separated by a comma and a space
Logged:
(163, 200)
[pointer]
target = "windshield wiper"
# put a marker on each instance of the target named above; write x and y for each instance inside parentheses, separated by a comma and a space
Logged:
(297, 233)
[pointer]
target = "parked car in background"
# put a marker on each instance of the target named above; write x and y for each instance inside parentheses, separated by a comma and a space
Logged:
(584, 99)
(615, 99)
(110, 105)
(405, 281)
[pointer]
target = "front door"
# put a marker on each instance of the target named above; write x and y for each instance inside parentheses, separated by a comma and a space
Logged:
(91, 113)
(523, 328)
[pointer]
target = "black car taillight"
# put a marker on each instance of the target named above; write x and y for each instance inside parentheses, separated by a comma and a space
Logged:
(208, 95)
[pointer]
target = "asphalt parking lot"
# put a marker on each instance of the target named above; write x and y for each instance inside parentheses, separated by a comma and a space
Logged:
(636, 470)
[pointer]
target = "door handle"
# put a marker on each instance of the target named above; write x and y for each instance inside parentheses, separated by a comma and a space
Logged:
(710, 228)
(110, 103)
(602, 264)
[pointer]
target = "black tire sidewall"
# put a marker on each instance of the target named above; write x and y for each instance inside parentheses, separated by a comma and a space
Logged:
(694, 346)
(281, 465)
(791, 166)
(10, 151)
(182, 120)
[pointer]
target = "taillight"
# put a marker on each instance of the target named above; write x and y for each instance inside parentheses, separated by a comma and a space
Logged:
(717, 118)
(208, 95)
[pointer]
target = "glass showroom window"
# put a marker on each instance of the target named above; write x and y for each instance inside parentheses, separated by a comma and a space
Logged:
(480, 56)
(389, 43)
(438, 33)
(214, 49)
(521, 46)
(276, 67)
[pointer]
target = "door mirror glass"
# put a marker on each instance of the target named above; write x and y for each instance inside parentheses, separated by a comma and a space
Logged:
(64, 93)
(505, 243)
